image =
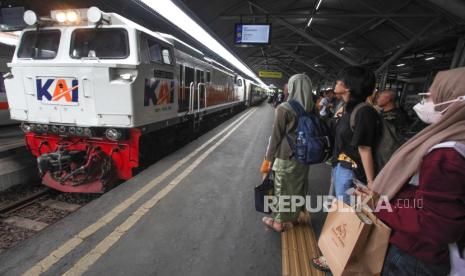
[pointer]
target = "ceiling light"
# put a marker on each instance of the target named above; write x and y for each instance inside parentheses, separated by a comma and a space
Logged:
(309, 22)
(166, 8)
(430, 58)
(318, 5)
(400, 64)
(341, 49)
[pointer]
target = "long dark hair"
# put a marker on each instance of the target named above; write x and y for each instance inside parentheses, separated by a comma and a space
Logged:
(361, 83)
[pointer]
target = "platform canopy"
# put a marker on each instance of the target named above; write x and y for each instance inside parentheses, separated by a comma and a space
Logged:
(399, 39)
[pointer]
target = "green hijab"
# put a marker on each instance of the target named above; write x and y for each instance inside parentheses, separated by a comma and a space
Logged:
(300, 90)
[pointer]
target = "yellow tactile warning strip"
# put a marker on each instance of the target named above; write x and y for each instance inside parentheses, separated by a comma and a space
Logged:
(299, 246)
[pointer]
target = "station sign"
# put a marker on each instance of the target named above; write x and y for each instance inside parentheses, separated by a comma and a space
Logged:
(270, 74)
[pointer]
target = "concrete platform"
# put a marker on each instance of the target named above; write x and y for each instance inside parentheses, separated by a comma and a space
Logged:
(17, 165)
(191, 213)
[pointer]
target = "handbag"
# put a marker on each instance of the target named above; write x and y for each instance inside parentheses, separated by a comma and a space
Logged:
(266, 188)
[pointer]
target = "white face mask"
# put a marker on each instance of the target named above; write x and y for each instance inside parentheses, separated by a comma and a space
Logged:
(427, 113)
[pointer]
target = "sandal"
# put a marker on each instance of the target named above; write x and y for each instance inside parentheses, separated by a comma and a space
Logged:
(270, 222)
(320, 263)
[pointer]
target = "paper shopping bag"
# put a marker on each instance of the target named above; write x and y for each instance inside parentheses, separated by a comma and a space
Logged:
(344, 234)
(369, 259)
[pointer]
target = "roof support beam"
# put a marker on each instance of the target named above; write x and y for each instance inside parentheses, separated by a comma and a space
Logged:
(406, 46)
(299, 60)
(304, 34)
(404, 31)
(325, 16)
(455, 7)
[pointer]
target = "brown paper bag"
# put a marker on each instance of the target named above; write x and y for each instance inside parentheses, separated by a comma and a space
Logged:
(352, 244)
(370, 259)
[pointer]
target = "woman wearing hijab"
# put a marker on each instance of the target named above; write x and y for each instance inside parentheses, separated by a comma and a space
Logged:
(425, 182)
(290, 176)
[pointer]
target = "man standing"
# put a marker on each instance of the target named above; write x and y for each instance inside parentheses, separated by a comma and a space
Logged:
(325, 104)
(391, 113)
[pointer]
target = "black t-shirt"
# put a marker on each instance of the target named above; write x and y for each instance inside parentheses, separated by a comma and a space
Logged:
(365, 134)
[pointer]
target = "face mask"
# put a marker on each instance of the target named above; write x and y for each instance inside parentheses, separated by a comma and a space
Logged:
(427, 113)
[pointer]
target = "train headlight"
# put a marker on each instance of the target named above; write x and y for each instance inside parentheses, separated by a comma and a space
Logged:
(26, 128)
(72, 130)
(72, 16)
(30, 17)
(60, 17)
(62, 129)
(113, 134)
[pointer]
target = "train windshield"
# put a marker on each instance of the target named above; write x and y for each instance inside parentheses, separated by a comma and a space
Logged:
(99, 44)
(41, 44)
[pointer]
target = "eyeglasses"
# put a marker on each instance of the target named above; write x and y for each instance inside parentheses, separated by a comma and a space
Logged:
(424, 97)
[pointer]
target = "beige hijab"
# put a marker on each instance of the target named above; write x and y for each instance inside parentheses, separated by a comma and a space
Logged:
(448, 85)
(300, 90)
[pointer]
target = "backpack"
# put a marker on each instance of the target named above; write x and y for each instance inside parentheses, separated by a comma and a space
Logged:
(388, 138)
(317, 134)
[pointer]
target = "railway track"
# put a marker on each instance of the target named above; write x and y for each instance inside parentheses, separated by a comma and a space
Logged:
(26, 215)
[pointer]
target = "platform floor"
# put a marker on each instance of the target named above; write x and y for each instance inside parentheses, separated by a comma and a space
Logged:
(191, 213)
(11, 137)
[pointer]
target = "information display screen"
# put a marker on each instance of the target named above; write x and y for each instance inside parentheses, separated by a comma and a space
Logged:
(252, 34)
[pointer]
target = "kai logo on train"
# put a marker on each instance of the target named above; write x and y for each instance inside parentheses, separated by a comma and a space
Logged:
(58, 91)
(158, 92)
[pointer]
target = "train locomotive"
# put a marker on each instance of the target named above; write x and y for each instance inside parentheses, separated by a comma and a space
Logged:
(91, 89)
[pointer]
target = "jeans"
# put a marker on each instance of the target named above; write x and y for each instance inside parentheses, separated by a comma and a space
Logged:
(399, 263)
(342, 181)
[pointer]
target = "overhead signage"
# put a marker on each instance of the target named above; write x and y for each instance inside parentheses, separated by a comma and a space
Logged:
(252, 34)
(270, 74)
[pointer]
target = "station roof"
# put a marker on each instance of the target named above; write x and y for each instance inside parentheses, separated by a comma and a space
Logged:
(342, 32)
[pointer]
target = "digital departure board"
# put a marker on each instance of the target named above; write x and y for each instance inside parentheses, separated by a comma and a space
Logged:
(247, 34)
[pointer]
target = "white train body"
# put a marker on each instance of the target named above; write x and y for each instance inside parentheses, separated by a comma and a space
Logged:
(102, 86)
(109, 91)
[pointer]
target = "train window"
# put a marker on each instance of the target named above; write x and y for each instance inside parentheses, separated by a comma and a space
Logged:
(239, 82)
(166, 56)
(39, 44)
(200, 76)
(189, 76)
(99, 43)
(208, 77)
(154, 51)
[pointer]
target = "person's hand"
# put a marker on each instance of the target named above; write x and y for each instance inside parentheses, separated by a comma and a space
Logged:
(367, 195)
(370, 184)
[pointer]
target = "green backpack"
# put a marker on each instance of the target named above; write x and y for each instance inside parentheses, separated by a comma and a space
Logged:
(388, 138)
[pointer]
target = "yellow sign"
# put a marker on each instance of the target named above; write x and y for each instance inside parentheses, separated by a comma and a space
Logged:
(270, 74)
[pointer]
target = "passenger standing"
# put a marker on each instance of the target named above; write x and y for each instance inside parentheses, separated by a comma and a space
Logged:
(290, 176)
(353, 156)
(391, 113)
(425, 181)
(325, 104)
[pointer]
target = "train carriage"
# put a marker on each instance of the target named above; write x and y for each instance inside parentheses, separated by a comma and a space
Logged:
(88, 86)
